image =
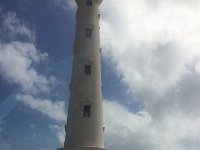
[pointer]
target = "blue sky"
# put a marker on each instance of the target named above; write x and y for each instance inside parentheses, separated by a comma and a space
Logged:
(150, 72)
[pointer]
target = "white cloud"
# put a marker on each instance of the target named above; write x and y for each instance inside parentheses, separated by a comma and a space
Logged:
(154, 46)
(150, 42)
(14, 27)
(129, 131)
(54, 110)
(60, 132)
(16, 59)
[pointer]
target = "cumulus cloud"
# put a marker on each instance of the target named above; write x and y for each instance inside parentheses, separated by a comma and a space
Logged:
(18, 56)
(53, 109)
(133, 131)
(59, 131)
(151, 42)
(154, 47)
(16, 60)
(15, 28)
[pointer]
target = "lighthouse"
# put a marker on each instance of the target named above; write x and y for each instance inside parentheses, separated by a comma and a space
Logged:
(84, 127)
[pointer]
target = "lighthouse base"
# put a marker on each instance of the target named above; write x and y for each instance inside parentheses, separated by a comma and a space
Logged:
(81, 148)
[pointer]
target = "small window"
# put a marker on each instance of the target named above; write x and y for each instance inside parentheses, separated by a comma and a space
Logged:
(100, 50)
(88, 32)
(88, 69)
(86, 111)
(99, 16)
(89, 2)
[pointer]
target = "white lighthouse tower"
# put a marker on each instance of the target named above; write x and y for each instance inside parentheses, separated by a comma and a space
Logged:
(84, 128)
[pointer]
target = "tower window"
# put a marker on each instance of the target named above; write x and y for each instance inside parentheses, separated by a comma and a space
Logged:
(89, 2)
(88, 70)
(88, 32)
(86, 111)
(99, 16)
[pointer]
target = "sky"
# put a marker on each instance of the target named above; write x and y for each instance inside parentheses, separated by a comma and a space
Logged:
(150, 72)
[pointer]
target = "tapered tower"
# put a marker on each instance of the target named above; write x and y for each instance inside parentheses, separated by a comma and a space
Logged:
(84, 128)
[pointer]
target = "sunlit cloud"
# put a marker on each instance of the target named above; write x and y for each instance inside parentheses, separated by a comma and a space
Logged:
(53, 109)
(133, 131)
(16, 59)
(60, 132)
(154, 47)
(18, 55)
